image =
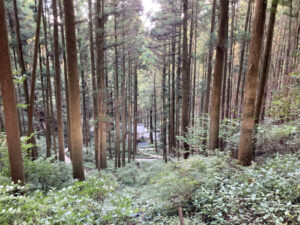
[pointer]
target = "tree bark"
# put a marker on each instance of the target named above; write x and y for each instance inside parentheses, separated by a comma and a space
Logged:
(210, 56)
(10, 104)
(74, 97)
(245, 147)
(99, 22)
(33, 79)
(155, 113)
(20, 52)
(185, 82)
(116, 105)
(129, 111)
(217, 81)
(94, 80)
(124, 96)
(60, 125)
(164, 108)
(172, 109)
(178, 87)
(135, 88)
(230, 64)
(65, 77)
(266, 62)
(236, 107)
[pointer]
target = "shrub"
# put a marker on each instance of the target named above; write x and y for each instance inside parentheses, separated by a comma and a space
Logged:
(139, 173)
(216, 190)
(45, 174)
(94, 201)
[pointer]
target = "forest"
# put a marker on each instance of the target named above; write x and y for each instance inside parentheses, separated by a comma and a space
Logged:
(150, 112)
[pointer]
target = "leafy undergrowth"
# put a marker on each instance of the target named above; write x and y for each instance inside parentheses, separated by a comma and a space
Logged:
(211, 190)
(94, 201)
(215, 190)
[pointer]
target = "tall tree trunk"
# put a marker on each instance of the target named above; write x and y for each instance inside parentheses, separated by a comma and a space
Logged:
(151, 123)
(18, 90)
(217, 81)
(178, 94)
(185, 82)
(135, 88)
(33, 79)
(99, 22)
(75, 114)
(124, 96)
(169, 97)
(117, 114)
(230, 64)
(60, 125)
(172, 109)
(129, 111)
(210, 56)
(65, 77)
(46, 107)
(84, 91)
(94, 79)
(20, 51)
(223, 94)
(195, 67)
(50, 118)
(289, 45)
(53, 126)
(236, 107)
(155, 113)
(10, 104)
(245, 147)
(266, 62)
(164, 108)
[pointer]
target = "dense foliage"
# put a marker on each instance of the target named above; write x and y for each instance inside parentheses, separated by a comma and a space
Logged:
(211, 190)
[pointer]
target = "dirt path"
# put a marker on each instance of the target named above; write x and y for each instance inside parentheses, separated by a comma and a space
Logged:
(153, 157)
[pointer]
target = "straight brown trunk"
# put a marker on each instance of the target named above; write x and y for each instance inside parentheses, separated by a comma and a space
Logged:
(217, 81)
(84, 91)
(164, 108)
(185, 82)
(245, 147)
(172, 109)
(94, 80)
(60, 125)
(50, 117)
(53, 126)
(33, 81)
(155, 113)
(73, 83)
(124, 107)
(135, 88)
(10, 104)
(236, 105)
(65, 76)
(129, 111)
(230, 64)
(195, 69)
(20, 51)
(117, 114)
(266, 62)
(289, 45)
(178, 86)
(151, 123)
(210, 57)
(99, 23)
(46, 105)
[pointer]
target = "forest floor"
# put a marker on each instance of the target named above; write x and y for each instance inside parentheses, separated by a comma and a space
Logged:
(210, 189)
